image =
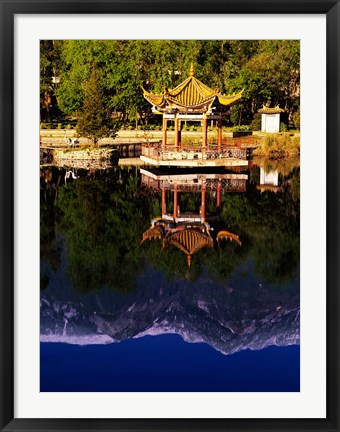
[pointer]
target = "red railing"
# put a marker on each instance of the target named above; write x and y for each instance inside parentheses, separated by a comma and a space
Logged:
(185, 185)
(185, 152)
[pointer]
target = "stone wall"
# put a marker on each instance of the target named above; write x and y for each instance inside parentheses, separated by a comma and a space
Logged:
(85, 154)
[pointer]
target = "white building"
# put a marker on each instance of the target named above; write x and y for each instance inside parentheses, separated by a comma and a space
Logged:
(270, 119)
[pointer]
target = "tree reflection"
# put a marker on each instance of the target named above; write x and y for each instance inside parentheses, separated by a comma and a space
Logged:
(102, 216)
(49, 247)
(101, 220)
(271, 222)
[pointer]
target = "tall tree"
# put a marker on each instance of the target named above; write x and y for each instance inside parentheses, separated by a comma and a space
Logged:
(94, 116)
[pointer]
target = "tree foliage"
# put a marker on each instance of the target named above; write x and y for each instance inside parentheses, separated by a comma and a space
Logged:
(94, 115)
(49, 69)
(266, 70)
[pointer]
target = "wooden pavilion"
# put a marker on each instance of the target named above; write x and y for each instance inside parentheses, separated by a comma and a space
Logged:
(192, 100)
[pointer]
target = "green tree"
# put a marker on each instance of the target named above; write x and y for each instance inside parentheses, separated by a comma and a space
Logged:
(49, 70)
(94, 116)
(266, 70)
(272, 74)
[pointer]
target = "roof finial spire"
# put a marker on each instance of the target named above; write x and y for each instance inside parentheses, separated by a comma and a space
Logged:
(192, 70)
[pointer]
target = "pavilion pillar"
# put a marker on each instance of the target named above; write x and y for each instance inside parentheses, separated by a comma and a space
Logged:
(175, 202)
(218, 197)
(179, 133)
(163, 201)
(164, 132)
(205, 136)
(176, 132)
(219, 135)
(203, 202)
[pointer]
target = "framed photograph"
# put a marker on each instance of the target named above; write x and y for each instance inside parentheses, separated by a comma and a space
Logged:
(169, 256)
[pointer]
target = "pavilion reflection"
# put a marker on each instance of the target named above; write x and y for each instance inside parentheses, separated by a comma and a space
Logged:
(191, 231)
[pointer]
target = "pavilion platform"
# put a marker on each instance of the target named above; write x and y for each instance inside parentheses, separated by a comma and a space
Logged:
(195, 156)
(194, 180)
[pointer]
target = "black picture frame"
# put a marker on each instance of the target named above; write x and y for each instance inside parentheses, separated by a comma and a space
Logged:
(8, 10)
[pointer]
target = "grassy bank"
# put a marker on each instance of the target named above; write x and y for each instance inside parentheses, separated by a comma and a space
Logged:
(283, 166)
(276, 146)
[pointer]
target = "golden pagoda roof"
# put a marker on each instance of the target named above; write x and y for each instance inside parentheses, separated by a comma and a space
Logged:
(189, 241)
(227, 235)
(267, 110)
(191, 95)
(155, 232)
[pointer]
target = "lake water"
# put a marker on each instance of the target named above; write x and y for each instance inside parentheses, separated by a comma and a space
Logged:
(135, 300)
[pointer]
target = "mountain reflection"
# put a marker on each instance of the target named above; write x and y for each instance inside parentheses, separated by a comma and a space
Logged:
(102, 282)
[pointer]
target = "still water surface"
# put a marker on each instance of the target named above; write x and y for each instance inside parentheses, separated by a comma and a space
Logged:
(132, 300)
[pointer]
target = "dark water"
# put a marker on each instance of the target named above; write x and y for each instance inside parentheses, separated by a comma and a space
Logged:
(132, 301)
